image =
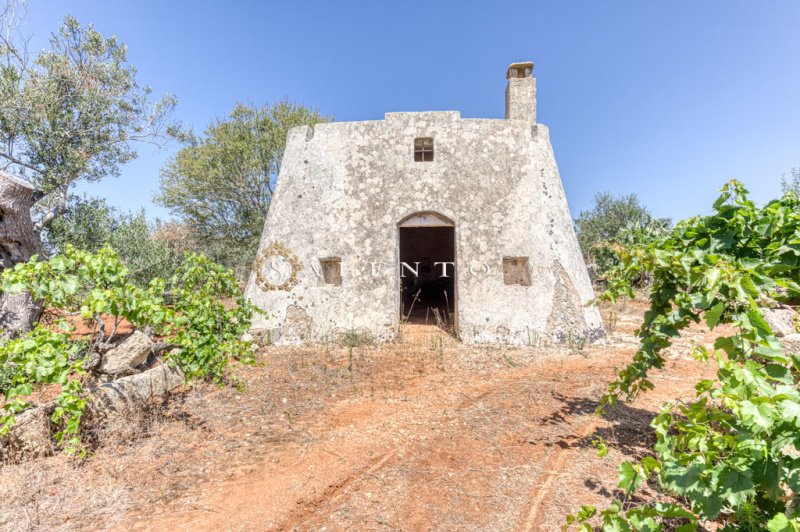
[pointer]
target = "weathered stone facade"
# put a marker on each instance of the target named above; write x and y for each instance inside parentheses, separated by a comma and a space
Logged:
(346, 189)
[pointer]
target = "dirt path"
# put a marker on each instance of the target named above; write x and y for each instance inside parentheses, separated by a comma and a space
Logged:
(422, 434)
(482, 451)
(370, 462)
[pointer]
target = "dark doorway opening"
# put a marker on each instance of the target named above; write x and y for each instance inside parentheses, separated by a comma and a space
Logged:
(427, 275)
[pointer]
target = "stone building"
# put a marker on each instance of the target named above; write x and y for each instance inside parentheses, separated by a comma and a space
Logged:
(424, 217)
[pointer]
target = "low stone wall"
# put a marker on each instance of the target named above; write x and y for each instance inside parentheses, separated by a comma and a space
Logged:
(32, 435)
(136, 390)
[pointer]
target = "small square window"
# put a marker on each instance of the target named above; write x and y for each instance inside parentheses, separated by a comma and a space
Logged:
(516, 271)
(332, 271)
(423, 149)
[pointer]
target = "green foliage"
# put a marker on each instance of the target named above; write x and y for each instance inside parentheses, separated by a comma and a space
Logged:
(74, 111)
(144, 256)
(613, 221)
(43, 357)
(208, 332)
(7, 374)
(730, 453)
(206, 322)
(91, 223)
(221, 185)
(89, 285)
(87, 225)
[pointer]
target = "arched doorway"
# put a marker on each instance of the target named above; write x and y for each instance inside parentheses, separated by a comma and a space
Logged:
(427, 269)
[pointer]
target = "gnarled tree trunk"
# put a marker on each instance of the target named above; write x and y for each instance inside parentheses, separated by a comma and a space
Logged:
(18, 243)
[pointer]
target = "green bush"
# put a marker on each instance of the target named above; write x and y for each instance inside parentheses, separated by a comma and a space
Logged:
(730, 454)
(208, 333)
(221, 183)
(206, 321)
(612, 221)
(43, 357)
(90, 223)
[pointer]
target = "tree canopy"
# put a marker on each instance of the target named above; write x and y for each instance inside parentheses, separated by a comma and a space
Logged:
(615, 220)
(221, 184)
(71, 112)
(90, 223)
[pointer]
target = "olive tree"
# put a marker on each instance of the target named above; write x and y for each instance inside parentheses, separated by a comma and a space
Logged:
(91, 223)
(72, 112)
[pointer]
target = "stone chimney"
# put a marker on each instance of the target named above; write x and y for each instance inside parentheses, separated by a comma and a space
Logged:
(521, 92)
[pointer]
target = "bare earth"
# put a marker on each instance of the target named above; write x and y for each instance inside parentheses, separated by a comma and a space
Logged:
(426, 433)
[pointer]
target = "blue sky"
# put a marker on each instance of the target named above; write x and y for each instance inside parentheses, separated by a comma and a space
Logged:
(665, 99)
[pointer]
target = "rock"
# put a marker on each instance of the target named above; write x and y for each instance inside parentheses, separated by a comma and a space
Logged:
(247, 337)
(93, 361)
(137, 390)
(791, 343)
(127, 356)
(782, 321)
(30, 436)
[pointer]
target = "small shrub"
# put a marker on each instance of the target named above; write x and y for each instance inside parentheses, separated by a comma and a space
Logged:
(43, 357)
(354, 338)
(610, 320)
(577, 341)
(209, 334)
(7, 372)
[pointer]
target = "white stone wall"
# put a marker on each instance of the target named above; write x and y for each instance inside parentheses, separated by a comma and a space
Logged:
(343, 188)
